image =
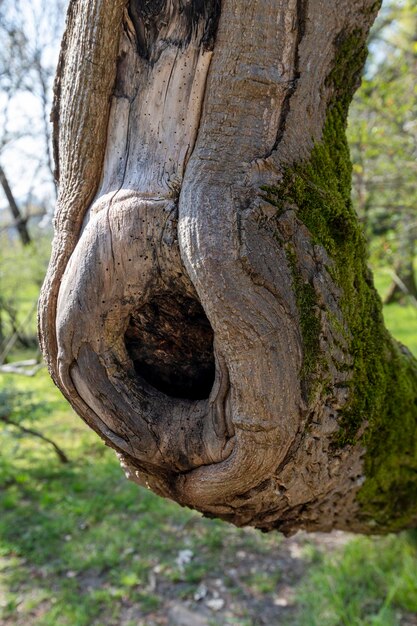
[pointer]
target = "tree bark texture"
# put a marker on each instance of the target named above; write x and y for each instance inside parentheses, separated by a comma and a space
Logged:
(208, 310)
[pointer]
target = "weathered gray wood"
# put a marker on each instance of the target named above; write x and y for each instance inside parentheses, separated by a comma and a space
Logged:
(169, 317)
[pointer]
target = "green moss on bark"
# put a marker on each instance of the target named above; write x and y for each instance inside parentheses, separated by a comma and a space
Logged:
(309, 322)
(383, 386)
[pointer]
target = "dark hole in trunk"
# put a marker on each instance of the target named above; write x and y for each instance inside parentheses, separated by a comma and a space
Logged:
(170, 342)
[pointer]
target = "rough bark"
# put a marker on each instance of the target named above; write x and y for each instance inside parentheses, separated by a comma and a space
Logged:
(208, 310)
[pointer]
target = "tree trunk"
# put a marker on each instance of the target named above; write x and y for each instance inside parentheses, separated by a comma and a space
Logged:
(19, 220)
(208, 310)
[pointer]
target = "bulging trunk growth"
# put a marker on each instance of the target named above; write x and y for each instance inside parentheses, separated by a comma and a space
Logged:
(208, 310)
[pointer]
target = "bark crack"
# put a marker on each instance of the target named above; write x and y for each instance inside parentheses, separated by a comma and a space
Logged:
(300, 28)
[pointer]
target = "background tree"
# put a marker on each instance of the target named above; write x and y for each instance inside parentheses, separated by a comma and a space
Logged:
(208, 308)
(30, 33)
(383, 136)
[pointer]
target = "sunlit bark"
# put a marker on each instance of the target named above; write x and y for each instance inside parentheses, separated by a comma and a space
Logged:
(193, 314)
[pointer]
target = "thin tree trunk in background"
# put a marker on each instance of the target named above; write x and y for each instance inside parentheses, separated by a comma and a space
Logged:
(208, 309)
(19, 221)
(405, 282)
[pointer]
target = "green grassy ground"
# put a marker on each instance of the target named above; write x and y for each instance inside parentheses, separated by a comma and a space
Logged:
(81, 546)
(369, 582)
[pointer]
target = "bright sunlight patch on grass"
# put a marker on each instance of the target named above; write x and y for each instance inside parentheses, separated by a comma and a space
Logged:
(401, 319)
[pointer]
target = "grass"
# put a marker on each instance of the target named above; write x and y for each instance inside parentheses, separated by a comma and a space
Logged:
(370, 582)
(21, 275)
(401, 319)
(81, 546)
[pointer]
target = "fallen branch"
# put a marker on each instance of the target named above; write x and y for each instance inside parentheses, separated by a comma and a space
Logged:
(15, 336)
(29, 431)
(20, 367)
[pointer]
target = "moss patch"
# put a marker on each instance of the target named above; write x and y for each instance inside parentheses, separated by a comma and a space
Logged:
(383, 387)
(309, 323)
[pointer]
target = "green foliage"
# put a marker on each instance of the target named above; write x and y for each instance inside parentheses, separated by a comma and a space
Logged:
(79, 544)
(23, 269)
(382, 133)
(18, 409)
(399, 319)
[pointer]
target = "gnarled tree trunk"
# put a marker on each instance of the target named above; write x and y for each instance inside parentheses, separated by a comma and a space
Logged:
(208, 310)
